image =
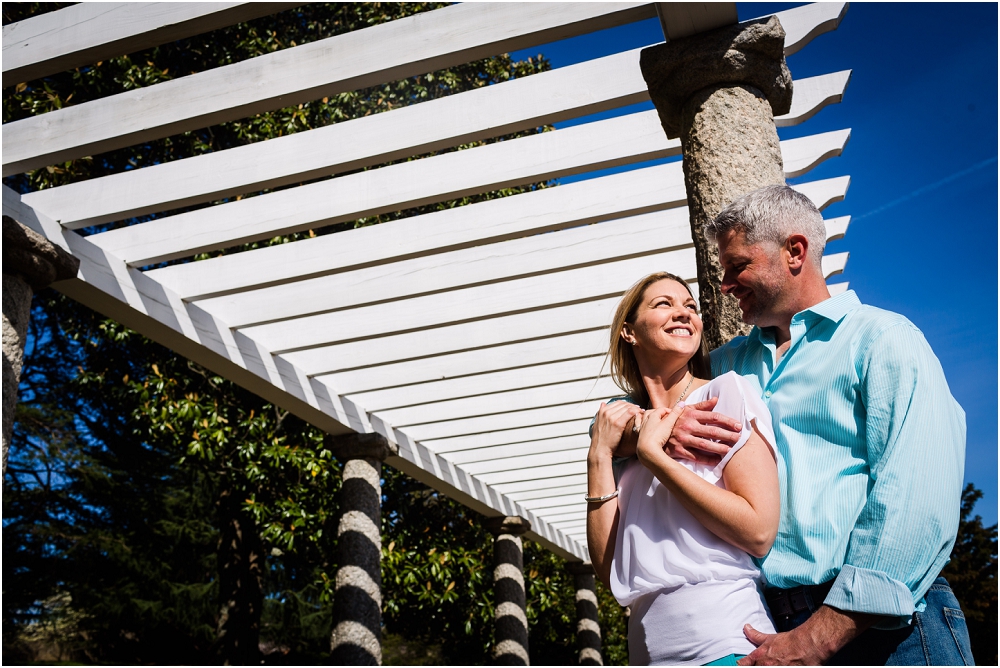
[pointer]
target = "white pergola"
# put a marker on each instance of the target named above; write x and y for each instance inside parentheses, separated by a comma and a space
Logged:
(473, 337)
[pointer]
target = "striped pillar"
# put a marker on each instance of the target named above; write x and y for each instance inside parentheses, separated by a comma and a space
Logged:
(511, 634)
(357, 603)
(588, 628)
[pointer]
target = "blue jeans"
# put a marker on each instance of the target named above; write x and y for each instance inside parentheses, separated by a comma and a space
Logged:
(937, 636)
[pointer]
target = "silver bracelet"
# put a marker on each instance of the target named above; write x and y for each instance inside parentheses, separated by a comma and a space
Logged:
(599, 499)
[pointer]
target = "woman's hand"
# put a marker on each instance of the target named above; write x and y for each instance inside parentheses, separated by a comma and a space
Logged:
(655, 432)
(609, 427)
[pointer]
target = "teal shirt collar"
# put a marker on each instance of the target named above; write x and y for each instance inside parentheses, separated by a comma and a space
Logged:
(833, 309)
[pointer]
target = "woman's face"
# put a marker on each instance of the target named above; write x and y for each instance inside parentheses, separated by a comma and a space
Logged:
(666, 323)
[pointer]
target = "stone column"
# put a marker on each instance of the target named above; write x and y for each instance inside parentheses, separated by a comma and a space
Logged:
(719, 92)
(30, 263)
(588, 628)
(357, 603)
(511, 618)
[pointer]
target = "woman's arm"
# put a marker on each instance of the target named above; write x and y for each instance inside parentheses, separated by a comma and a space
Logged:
(602, 517)
(746, 513)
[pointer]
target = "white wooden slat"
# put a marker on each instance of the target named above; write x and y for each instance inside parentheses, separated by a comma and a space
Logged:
(581, 246)
(598, 145)
(107, 285)
(421, 43)
(834, 264)
(489, 423)
(536, 292)
(802, 24)
(809, 151)
(838, 288)
(529, 488)
(462, 364)
(567, 517)
(527, 462)
(527, 436)
(812, 95)
(542, 506)
(481, 384)
(480, 334)
(503, 402)
(836, 228)
(683, 19)
(91, 31)
(512, 450)
(569, 485)
(534, 474)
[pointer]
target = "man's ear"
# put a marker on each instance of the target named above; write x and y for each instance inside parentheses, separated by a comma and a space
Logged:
(796, 251)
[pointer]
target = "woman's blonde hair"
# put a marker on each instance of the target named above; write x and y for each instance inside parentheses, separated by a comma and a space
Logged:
(624, 368)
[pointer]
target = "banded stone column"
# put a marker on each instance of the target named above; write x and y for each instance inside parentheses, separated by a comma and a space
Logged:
(357, 603)
(510, 614)
(588, 627)
(30, 263)
(719, 92)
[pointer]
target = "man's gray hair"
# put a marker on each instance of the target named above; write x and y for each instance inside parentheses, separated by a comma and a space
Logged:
(773, 213)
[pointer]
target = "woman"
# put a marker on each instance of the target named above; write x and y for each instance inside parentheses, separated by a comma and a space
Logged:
(673, 539)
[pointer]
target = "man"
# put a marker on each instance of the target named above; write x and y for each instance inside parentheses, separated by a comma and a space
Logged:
(871, 451)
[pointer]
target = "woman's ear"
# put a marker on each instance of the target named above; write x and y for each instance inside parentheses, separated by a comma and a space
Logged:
(627, 334)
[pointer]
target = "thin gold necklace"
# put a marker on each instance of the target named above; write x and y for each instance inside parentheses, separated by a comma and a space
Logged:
(684, 393)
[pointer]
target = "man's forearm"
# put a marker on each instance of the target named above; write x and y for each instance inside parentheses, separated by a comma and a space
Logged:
(829, 629)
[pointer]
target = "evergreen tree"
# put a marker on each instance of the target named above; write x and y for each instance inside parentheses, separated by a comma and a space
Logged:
(972, 574)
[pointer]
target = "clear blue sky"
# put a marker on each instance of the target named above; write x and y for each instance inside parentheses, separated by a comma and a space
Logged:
(922, 107)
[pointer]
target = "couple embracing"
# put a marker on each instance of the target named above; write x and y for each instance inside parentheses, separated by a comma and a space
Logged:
(792, 497)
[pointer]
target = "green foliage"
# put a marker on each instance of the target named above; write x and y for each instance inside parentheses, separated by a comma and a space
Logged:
(972, 574)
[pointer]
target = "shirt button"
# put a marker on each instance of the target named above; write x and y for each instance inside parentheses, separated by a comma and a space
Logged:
(768, 393)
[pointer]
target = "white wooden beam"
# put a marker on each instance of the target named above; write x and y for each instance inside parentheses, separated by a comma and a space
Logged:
(421, 43)
(92, 31)
(483, 383)
(683, 19)
(527, 462)
(489, 423)
(502, 452)
(503, 402)
(458, 365)
(527, 436)
(802, 24)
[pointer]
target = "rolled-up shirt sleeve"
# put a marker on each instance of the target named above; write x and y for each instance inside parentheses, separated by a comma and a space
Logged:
(915, 439)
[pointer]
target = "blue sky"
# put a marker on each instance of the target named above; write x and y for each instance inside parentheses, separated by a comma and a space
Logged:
(922, 107)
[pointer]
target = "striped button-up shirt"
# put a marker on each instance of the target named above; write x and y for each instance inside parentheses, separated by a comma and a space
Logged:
(871, 449)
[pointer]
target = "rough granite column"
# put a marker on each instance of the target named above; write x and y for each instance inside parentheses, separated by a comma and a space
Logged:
(30, 263)
(719, 92)
(588, 627)
(357, 602)
(511, 618)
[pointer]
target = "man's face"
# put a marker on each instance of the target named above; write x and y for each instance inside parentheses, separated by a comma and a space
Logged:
(754, 274)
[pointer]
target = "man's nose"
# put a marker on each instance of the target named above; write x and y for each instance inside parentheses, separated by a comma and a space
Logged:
(728, 283)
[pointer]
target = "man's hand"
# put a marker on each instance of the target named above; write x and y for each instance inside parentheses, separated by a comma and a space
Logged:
(812, 644)
(702, 435)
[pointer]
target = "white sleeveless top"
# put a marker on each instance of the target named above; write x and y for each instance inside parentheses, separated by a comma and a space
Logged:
(691, 592)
